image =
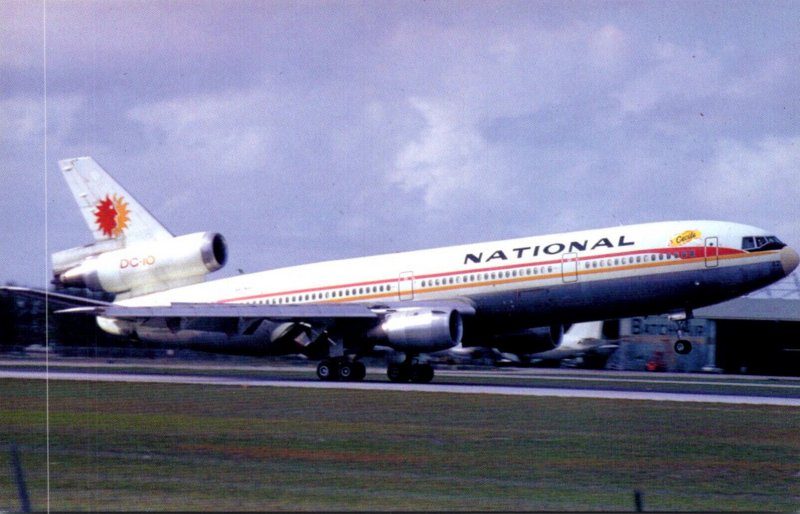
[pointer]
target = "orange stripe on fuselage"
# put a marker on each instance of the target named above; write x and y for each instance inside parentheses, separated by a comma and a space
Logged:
(723, 254)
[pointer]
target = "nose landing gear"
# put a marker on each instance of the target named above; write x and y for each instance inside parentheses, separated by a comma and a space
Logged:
(682, 346)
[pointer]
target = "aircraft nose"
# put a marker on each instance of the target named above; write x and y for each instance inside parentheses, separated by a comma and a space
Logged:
(789, 259)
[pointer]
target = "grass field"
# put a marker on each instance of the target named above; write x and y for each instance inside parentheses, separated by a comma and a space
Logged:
(173, 447)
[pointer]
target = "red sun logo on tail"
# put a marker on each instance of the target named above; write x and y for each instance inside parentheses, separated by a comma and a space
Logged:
(111, 215)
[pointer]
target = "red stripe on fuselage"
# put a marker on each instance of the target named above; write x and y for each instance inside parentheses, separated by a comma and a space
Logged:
(700, 253)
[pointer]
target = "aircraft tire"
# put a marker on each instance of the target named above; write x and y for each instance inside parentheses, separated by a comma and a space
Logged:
(682, 346)
(421, 373)
(398, 372)
(359, 371)
(326, 370)
(346, 371)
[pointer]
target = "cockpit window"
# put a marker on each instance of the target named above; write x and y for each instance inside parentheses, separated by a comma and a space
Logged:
(761, 243)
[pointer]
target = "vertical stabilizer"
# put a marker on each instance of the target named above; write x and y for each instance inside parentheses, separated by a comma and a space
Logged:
(108, 209)
(588, 330)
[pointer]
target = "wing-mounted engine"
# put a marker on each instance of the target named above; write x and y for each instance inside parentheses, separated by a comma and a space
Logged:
(142, 268)
(419, 329)
(530, 340)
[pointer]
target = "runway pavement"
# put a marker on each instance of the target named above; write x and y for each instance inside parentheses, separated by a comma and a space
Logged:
(566, 384)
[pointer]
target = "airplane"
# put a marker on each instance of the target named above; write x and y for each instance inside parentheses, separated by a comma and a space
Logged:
(579, 340)
(515, 295)
(583, 342)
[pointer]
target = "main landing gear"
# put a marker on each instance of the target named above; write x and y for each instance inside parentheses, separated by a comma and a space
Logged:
(341, 369)
(410, 371)
(347, 369)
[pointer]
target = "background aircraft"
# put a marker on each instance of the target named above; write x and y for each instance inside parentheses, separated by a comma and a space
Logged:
(590, 341)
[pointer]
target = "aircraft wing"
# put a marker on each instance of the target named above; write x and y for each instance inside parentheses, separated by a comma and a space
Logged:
(70, 304)
(58, 299)
(231, 310)
(296, 312)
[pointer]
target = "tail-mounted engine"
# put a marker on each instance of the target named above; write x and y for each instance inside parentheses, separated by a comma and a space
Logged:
(145, 267)
(419, 329)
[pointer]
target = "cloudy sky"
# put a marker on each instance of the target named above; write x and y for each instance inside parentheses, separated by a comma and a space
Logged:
(309, 130)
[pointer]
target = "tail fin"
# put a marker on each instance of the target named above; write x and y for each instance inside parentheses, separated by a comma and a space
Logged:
(109, 210)
(587, 330)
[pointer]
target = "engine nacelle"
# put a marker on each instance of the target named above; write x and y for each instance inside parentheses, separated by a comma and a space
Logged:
(147, 266)
(419, 329)
(530, 340)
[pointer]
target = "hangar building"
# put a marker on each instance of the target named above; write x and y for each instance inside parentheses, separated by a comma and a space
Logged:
(755, 334)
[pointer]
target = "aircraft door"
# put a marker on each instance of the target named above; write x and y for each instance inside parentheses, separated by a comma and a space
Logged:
(405, 285)
(712, 252)
(569, 267)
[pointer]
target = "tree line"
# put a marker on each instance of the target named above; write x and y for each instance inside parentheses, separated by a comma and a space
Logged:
(26, 321)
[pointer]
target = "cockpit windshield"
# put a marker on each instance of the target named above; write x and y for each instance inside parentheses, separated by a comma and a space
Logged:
(761, 243)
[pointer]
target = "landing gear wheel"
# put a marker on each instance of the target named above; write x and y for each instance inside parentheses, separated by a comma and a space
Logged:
(359, 371)
(346, 371)
(326, 370)
(398, 372)
(682, 346)
(421, 373)
(417, 373)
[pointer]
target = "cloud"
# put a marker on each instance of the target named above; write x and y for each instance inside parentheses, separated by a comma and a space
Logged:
(491, 90)
(449, 163)
(755, 182)
(764, 172)
(671, 73)
(23, 122)
(21, 34)
(225, 132)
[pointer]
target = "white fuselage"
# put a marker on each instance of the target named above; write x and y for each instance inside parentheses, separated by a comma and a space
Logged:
(532, 281)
